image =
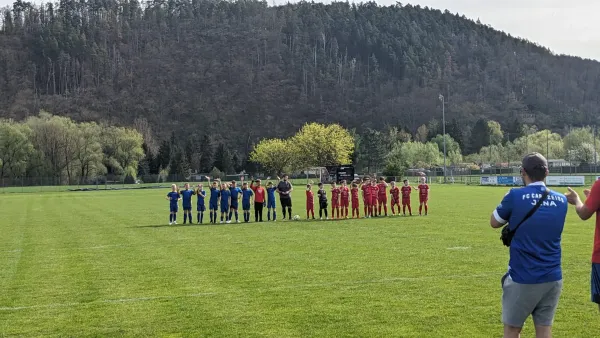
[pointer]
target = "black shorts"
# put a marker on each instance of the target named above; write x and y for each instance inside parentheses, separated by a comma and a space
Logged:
(286, 202)
(323, 204)
(595, 283)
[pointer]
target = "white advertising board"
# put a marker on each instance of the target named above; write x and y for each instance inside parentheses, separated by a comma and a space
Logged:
(489, 180)
(565, 180)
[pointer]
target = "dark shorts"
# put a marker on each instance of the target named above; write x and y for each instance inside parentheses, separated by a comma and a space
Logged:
(234, 205)
(286, 202)
(174, 208)
(323, 204)
(224, 207)
(201, 207)
(246, 206)
(271, 204)
(595, 283)
(214, 206)
(187, 207)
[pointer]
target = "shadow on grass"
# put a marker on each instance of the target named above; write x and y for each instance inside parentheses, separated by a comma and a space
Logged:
(172, 225)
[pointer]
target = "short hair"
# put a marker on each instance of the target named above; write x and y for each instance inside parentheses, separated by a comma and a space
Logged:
(535, 166)
(405, 181)
(320, 184)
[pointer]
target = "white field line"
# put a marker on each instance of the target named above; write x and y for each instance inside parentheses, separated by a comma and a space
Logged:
(459, 248)
(273, 289)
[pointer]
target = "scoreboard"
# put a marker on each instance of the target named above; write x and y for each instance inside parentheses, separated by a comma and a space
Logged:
(339, 173)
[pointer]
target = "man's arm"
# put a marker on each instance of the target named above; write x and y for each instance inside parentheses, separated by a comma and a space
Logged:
(502, 213)
(585, 210)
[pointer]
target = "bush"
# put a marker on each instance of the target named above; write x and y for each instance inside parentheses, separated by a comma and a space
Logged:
(393, 169)
(216, 173)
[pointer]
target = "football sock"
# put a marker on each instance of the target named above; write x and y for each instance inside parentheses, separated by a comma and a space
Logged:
(283, 214)
(221, 217)
(420, 209)
(174, 217)
(290, 212)
(230, 213)
(170, 218)
(269, 215)
(409, 209)
(426, 208)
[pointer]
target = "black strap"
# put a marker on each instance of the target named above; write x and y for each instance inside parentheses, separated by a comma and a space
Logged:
(534, 209)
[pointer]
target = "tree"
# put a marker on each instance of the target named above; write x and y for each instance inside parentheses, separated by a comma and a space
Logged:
(163, 158)
(422, 134)
(372, 149)
(480, 135)
(317, 145)
(206, 151)
(495, 132)
(122, 149)
(223, 159)
(276, 156)
(413, 155)
(88, 149)
(15, 148)
(451, 144)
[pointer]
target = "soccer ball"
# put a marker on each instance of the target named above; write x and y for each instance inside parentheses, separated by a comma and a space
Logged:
(296, 218)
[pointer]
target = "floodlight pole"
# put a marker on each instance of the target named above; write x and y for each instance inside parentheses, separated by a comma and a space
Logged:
(441, 97)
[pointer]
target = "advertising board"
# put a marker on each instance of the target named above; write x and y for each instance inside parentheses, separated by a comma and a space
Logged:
(565, 180)
(489, 180)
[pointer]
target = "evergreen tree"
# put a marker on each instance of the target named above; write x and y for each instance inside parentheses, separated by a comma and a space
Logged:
(223, 159)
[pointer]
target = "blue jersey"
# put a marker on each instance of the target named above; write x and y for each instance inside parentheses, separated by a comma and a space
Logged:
(535, 252)
(225, 195)
(271, 194)
(215, 193)
(246, 194)
(174, 195)
(187, 198)
(235, 193)
(201, 194)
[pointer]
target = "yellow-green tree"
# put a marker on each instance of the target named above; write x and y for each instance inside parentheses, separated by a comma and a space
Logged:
(275, 155)
(318, 145)
(15, 147)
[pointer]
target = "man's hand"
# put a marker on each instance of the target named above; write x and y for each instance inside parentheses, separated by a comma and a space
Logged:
(587, 192)
(573, 197)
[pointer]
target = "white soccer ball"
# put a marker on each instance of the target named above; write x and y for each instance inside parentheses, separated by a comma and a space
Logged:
(296, 218)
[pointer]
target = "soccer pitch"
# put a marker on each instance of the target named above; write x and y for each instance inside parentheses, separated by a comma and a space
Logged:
(106, 263)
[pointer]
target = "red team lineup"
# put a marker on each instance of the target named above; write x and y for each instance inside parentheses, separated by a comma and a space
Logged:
(374, 195)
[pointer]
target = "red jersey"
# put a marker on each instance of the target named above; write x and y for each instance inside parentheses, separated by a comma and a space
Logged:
(310, 198)
(366, 191)
(395, 193)
(382, 188)
(335, 195)
(593, 203)
(354, 193)
(423, 190)
(374, 192)
(259, 193)
(345, 193)
(406, 192)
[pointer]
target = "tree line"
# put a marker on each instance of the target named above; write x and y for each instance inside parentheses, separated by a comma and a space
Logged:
(250, 71)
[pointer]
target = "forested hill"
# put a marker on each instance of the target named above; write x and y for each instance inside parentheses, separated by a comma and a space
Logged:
(246, 70)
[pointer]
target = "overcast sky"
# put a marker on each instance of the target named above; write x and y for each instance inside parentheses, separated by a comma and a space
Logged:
(565, 26)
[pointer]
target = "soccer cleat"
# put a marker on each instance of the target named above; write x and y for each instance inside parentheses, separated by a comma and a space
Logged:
(237, 221)
(175, 222)
(170, 223)
(228, 222)
(221, 222)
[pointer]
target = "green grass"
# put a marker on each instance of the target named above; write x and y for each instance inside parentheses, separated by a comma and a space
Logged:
(105, 263)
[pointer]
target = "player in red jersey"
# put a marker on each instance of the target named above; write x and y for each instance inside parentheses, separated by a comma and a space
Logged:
(395, 193)
(374, 197)
(382, 196)
(310, 202)
(355, 202)
(345, 198)
(366, 189)
(423, 195)
(335, 201)
(406, 191)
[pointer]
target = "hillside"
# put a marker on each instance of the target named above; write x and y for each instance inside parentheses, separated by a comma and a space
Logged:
(243, 70)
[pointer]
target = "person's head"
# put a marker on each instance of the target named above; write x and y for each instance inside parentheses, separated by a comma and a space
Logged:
(214, 184)
(285, 177)
(270, 185)
(186, 186)
(423, 179)
(173, 187)
(223, 186)
(320, 185)
(245, 185)
(393, 184)
(233, 184)
(405, 183)
(382, 179)
(333, 184)
(258, 182)
(200, 186)
(354, 185)
(534, 168)
(374, 183)
(308, 187)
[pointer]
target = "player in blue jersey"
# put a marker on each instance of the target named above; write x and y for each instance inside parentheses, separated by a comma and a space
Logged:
(247, 194)
(225, 202)
(271, 201)
(235, 197)
(186, 196)
(213, 204)
(200, 206)
(173, 197)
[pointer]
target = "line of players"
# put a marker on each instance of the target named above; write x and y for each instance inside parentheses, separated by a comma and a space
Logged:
(225, 197)
(374, 198)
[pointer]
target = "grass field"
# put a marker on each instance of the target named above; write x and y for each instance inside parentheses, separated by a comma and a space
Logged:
(105, 263)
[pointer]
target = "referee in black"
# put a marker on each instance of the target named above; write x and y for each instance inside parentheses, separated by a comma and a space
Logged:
(285, 188)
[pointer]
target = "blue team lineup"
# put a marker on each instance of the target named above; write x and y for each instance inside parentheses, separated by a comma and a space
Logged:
(224, 199)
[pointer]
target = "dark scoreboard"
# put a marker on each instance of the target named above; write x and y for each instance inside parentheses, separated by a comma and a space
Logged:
(340, 173)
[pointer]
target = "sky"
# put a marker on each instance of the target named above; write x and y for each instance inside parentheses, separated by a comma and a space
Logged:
(567, 27)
